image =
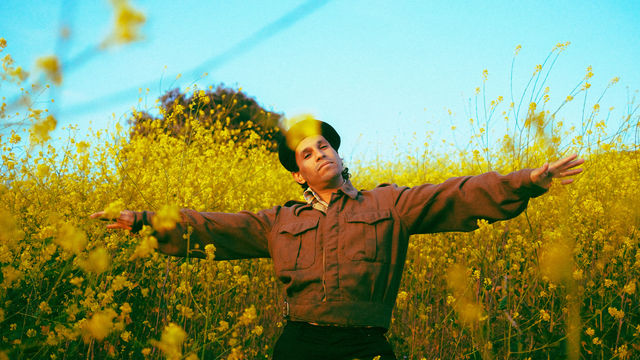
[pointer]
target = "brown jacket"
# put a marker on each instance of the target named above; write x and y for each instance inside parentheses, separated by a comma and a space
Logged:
(344, 267)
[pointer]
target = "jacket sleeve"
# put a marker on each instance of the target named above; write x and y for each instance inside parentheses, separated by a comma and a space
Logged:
(458, 203)
(235, 236)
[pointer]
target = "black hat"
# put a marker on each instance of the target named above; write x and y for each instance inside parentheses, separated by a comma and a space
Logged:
(299, 131)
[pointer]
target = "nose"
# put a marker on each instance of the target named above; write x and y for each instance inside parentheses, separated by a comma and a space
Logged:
(320, 154)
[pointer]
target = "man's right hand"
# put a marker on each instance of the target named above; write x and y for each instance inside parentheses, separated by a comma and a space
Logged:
(124, 221)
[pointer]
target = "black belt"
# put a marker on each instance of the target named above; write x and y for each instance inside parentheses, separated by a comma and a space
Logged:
(338, 329)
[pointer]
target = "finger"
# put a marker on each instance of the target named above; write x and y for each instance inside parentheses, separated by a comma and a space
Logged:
(564, 161)
(566, 181)
(570, 172)
(97, 214)
(574, 163)
(118, 226)
(100, 216)
(571, 164)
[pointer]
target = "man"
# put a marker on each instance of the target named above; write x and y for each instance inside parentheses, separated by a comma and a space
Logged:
(340, 254)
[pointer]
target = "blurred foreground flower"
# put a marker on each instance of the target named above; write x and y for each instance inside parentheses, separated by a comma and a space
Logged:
(166, 218)
(127, 23)
(41, 129)
(98, 261)
(308, 128)
(113, 210)
(50, 65)
(171, 341)
(71, 239)
(99, 326)
(147, 246)
(10, 234)
(557, 262)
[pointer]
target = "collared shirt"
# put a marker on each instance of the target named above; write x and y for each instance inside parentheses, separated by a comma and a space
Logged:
(316, 201)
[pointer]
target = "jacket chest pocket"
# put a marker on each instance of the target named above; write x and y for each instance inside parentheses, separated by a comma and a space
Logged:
(295, 245)
(368, 235)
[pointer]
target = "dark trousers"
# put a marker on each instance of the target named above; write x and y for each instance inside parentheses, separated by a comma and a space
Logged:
(303, 341)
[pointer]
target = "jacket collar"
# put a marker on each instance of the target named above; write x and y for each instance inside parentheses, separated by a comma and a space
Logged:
(311, 197)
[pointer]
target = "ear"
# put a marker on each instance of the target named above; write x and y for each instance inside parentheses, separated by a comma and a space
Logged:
(298, 177)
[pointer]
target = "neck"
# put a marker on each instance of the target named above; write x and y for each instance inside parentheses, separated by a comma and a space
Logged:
(326, 192)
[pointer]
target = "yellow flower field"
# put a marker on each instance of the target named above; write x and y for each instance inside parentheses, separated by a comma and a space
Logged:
(558, 281)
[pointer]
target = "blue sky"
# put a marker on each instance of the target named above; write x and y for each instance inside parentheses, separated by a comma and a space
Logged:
(376, 70)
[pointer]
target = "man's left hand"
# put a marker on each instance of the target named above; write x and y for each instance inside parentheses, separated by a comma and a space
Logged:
(560, 169)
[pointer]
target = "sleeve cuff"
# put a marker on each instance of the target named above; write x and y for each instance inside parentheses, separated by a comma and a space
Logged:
(140, 218)
(531, 189)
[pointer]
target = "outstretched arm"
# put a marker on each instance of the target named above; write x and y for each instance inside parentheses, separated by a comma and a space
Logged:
(457, 204)
(560, 169)
(235, 236)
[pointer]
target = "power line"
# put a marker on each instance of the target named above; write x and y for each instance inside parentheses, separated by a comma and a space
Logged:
(212, 63)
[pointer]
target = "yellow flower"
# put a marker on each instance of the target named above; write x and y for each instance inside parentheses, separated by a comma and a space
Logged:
(125, 336)
(544, 315)
(10, 275)
(114, 208)
(630, 288)
(471, 312)
(257, 330)
(42, 170)
(44, 307)
(71, 239)
(10, 233)
(555, 264)
(224, 326)
(99, 326)
(590, 332)
(82, 146)
(41, 129)
(589, 72)
(77, 281)
(125, 308)
(248, 316)
(578, 275)
(166, 218)
(171, 341)
(127, 23)
(51, 67)
(401, 300)
(300, 132)
(617, 314)
(98, 261)
(146, 247)
(210, 250)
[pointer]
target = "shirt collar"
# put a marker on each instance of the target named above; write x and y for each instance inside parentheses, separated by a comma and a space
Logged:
(316, 202)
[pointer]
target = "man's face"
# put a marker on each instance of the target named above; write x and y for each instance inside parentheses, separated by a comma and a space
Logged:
(318, 163)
